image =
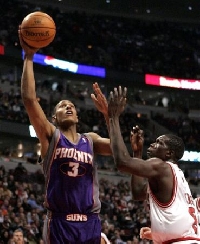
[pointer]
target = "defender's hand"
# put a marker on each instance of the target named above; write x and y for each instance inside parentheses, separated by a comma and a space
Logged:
(117, 101)
(99, 99)
(137, 139)
(145, 233)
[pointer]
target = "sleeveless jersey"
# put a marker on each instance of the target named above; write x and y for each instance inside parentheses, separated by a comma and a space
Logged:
(197, 202)
(71, 176)
(176, 220)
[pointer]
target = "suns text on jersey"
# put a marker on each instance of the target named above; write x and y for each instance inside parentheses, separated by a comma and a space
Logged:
(76, 217)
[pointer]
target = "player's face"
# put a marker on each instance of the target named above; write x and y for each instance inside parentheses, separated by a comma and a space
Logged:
(66, 113)
(159, 148)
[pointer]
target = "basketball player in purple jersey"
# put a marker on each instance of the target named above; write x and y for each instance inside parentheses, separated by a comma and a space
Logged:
(72, 191)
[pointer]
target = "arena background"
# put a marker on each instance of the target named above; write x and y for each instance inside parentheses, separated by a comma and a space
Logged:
(186, 10)
(18, 147)
(150, 10)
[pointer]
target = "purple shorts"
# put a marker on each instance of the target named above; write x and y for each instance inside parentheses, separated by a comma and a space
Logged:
(72, 229)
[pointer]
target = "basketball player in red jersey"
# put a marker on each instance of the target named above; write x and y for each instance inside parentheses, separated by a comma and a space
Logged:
(145, 232)
(172, 209)
(71, 180)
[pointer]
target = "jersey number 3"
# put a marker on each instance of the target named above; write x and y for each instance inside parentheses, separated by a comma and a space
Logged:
(74, 169)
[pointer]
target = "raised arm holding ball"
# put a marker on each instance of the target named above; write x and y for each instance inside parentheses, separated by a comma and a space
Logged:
(71, 180)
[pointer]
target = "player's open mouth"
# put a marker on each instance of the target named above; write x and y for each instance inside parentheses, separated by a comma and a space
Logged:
(69, 112)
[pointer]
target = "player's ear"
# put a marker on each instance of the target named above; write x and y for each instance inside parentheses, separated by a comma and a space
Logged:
(170, 154)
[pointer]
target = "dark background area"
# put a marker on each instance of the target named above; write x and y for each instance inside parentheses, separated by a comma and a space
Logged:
(174, 10)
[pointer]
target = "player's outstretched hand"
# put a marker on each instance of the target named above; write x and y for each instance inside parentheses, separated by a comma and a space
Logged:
(99, 99)
(29, 51)
(117, 101)
(137, 139)
(145, 233)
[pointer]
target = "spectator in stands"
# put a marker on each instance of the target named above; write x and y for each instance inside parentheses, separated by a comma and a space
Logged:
(2, 174)
(1, 216)
(5, 237)
(20, 172)
(18, 237)
(33, 203)
(11, 182)
(4, 191)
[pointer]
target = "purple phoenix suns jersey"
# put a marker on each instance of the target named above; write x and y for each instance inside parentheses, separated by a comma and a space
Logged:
(71, 177)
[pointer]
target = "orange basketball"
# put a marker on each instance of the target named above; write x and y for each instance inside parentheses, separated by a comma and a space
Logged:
(38, 29)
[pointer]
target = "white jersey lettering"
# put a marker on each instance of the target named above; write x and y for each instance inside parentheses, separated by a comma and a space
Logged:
(72, 153)
(76, 217)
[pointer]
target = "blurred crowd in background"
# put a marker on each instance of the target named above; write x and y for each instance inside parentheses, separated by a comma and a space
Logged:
(22, 197)
(12, 109)
(21, 206)
(116, 43)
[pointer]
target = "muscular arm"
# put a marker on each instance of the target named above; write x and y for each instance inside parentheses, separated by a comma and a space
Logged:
(123, 160)
(158, 173)
(149, 168)
(138, 184)
(44, 129)
(101, 145)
